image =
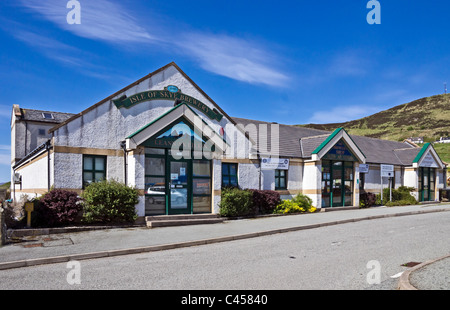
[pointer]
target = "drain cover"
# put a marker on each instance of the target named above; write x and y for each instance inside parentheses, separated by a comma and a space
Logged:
(411, 264)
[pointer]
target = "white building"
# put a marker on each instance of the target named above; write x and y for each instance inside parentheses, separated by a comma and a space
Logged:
(164, 135)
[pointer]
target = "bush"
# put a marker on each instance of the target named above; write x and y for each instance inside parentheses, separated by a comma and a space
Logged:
(300, 203)
(264, 201)
(367, 200)
(56, 208)
(401, 194)
(109, 202)
(236, 202)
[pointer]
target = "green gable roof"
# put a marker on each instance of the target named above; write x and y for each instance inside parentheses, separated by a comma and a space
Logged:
(330, 137)
(422, 151)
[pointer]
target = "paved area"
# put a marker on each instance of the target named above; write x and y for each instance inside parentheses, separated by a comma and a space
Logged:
(52, 248)
(435, 275)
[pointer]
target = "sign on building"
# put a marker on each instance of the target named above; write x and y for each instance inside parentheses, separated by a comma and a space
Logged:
(428, 161)
(274, 163)
(363, 168)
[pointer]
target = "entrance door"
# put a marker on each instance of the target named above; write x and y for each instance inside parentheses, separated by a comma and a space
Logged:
(337, 183)
(427, 179)
(179, 200)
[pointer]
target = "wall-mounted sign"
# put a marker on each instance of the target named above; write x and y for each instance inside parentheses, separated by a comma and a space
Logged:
(339, 152)
(274, 163)
(363, 168)
(428, 161)
(172, 89)
(171, 92)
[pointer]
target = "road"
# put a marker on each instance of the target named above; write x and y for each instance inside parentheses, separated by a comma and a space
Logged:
(346, 256)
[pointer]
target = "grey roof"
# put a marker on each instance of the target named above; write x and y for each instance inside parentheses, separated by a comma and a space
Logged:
(382, 151)
(407, 156)
(289, 136)
(37, 116)
(300, 142)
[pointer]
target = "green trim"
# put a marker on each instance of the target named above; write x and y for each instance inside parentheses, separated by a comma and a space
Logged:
(229, 175)
(94, 170)
(171, 110)
(279, 177)
(152, 122)
(324, 143)
(422, 151)
(330, 137)
(128, 102)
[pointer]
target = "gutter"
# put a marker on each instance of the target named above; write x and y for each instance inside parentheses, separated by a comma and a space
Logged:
(123, 145)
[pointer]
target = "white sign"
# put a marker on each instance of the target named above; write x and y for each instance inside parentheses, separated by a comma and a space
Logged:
(428, 161)
(387, 171)
(363, 168)
(174, 176)
(274, 163)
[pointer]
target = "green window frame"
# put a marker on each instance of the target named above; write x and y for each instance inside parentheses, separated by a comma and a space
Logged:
(280, 179)
(230, 174)
(94, 169)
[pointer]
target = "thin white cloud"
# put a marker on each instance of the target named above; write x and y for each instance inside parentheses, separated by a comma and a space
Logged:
(234, 58)
(342, 114)
(5, 159)
(107, 21)
(100, 20)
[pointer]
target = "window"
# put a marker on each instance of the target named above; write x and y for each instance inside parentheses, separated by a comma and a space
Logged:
(41, 132)
(47, 115)
(229, 174)
(94, 169)
(280, 179)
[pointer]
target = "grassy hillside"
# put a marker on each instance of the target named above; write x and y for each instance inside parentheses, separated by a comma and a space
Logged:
(427, 117)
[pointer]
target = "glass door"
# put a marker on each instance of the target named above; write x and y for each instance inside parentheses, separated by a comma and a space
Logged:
(337, 184)
(179, 191)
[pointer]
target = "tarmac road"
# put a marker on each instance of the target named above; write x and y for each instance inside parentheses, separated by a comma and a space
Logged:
(326, 257)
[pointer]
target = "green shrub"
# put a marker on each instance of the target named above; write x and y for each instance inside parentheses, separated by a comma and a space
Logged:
(235, 202)
(298, 204)
(400, 195)
(303, 201)
(109, 202)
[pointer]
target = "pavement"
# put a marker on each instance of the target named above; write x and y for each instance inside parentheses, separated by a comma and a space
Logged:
(48, 246)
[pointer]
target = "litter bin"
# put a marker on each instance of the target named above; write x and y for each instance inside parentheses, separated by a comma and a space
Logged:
(444, 194)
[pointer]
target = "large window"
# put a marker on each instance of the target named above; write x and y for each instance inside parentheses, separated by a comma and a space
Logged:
(280, 179)
(229, 174)
(427, 183)
(337, 183)
(94, 169)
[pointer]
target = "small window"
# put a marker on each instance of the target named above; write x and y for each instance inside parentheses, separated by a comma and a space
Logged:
(280, 179)
(47, 115)
(94, 169)
(229, 174)
(41, 132)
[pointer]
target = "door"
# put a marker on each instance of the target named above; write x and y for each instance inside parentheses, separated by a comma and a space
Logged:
(179, 201)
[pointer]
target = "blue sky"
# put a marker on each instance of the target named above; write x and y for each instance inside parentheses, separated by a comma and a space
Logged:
(291, 62)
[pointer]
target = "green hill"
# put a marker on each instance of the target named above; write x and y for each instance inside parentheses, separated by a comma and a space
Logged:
(427, 117)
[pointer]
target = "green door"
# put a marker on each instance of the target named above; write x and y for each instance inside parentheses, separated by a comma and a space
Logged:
(179, 196)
